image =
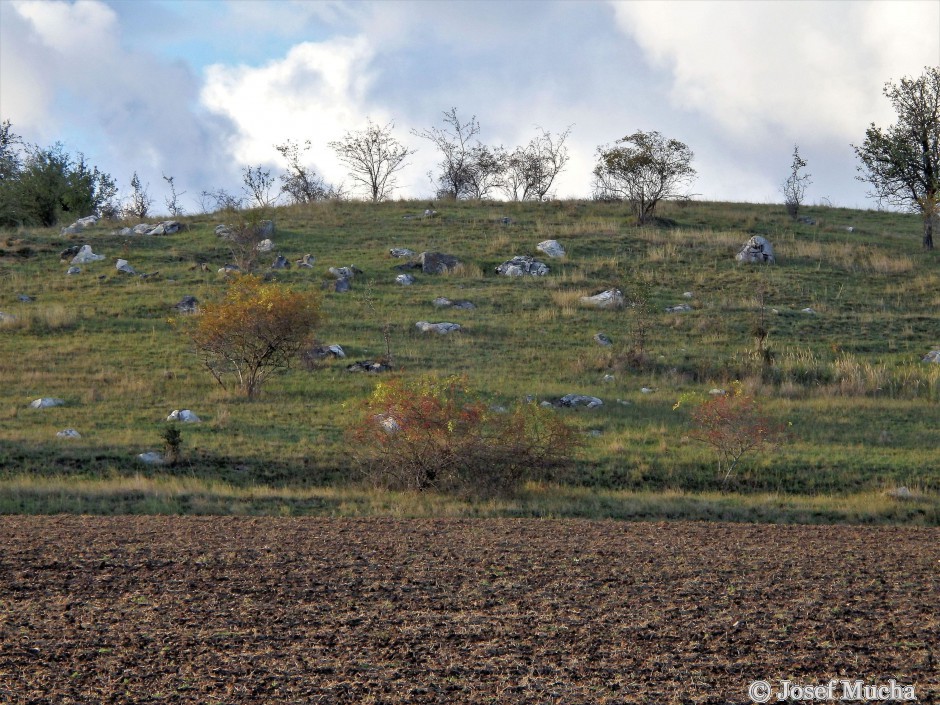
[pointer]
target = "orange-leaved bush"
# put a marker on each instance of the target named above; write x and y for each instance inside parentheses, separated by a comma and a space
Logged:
(438, 434)
(732, 423)
(255, 330)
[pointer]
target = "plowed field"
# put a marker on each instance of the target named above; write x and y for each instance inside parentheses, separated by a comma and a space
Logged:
(235, 610)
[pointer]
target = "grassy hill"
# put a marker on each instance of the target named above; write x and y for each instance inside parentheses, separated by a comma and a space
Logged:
(848, 377)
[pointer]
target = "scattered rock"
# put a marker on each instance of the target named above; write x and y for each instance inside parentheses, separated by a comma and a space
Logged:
(184, 415)
(437, 262)
(46, 402)
(405, 279)
(428, 213)
(808, 311)
(932, 356)
(151, 458)
(79, 225)
(647, 390)
(679, 308)
(444, 302)
(806, 220)
(388, 423)
(340, 286)
(901, 493)
(401, 252)
(522, 265)
(223, 231)
(23, 298)
(602, 339)
(265, 245)
(608, 379)
(167, 227)
(69, 252)
(280, 262)
(687, 295)
(368, 366)
(68, 433)
(74, 270)
(850, 229)
(124, 267)
(306, 261)
(439, 328)
(344, 272)
(574, 400)
(230, 269)
(324, 351)
(85, 255)
(188, 304)
(717, 392)
(141, 228)
(552, 248)
(612, 298)
(757, 249)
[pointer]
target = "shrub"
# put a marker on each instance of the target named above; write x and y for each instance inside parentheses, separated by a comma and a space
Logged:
(439, 434)
(733, 424)
(256, 330)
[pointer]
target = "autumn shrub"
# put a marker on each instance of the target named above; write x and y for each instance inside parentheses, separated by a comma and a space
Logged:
(438, 434)
(733, 424)
(256, 330)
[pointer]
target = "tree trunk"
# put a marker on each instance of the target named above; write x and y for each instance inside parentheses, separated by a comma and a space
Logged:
(928, 231)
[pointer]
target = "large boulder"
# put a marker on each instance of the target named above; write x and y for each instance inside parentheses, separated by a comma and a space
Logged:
(521, 266)
(612, 298)
(437, 262)
(552, 248)
(85, 255)
(79, 225)
(757, 249)
(439, 328)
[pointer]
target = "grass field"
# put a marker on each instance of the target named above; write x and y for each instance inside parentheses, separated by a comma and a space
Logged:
(864, 409)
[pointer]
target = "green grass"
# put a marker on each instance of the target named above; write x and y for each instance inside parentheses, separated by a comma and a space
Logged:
(864, 408)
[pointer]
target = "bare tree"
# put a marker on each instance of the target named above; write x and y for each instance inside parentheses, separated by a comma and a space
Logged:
(258, 183)
(172, 201)
(902, 163)
(219, 200)
(373, 156)
(531, 170)
(453, 141)
(643, 169)
(794, 188)
(301, 183)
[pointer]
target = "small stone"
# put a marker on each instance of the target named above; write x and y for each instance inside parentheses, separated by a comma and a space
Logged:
(401, 252)
(123, 266)
(608, 378)
(612, 298)
(280, 262)
(188, 304)
(85, 255)
(522, 265)
(405, 279)
(552, 248)
(808, 311)
(932, 356)
(265, 245)
(679, 308)
(184, 415)
(602, 339)
(687, 295)
(901, 493)
(151, 458)
(23, 298)
(68, 433)
(647, 390)
(46, 402)
(306, 261)
(439, 328)
(74, 270)
(717, 392)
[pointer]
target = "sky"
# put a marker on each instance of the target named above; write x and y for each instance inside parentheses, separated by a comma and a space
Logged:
(201, 89)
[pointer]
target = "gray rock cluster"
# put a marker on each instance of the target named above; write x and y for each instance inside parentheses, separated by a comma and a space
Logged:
(79, 225)
(439, 328)
(574, 400)
(167, 227)
(444, 302)
(522, 266)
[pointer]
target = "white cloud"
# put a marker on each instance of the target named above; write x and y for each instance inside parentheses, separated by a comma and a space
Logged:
(808, 69)
(316, 92)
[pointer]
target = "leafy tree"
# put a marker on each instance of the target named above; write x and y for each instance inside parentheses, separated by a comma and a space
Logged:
(140, 201)
(902, 162)
(642, 169)
(794, 188)
(254, 332)
(531, 170)
(373, 156)
(301, 183)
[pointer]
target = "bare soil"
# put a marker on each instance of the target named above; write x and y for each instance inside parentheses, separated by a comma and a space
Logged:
(238, 610)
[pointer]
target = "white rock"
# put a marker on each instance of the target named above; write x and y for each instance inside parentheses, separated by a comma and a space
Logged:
(46, 402)
(687, 295)
(85, 255)
(6, 316)
(679, 308)
(647, 390)
(265, 245)
(901, 493)
(184, 415)
(612, 298)
(809, 311)
(552, 248)
(717, 392)
(757, 249)
(74, 270)
(439, 328)
(151, 458)
(405, 279)
(68, 433)
(932, 356)
(143, 228)
(123, 266)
